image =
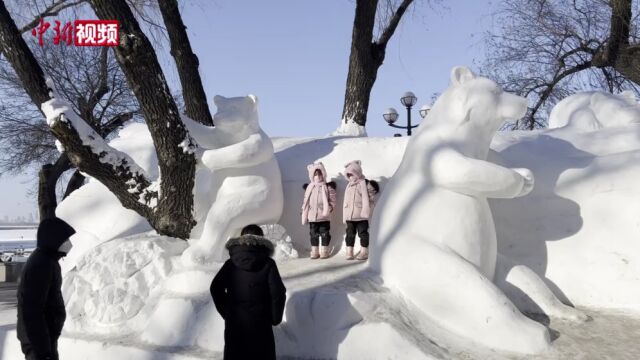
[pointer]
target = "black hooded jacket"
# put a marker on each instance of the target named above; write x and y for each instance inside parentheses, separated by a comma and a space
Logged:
(249, 294)
(41, 311)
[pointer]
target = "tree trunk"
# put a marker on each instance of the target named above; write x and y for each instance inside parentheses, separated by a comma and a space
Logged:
(366, 58)
(21, 58)
(137, 58)
(195, 99)
(76, 181)
(363, 68)
(628, 63)
(619, 54)
(47, 180)
(623, 57)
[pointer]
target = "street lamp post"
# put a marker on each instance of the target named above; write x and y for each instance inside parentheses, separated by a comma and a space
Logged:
(408, 99)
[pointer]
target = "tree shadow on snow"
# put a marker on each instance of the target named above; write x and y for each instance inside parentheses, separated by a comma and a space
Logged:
(524, 225)
(319, 319)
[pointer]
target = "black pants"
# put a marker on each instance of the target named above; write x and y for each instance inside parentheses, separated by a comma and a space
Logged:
(362, 227)
(29, 354)
(320, 229)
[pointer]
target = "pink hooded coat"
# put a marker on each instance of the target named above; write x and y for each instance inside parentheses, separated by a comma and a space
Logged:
(319, 199)
(359, 196)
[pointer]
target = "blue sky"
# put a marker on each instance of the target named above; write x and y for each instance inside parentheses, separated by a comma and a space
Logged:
(293, 54)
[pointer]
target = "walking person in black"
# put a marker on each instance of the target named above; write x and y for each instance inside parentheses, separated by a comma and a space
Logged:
(249, 295)
(41, 311)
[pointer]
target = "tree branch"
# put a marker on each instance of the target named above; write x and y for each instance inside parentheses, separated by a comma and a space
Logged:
(558, 76)
(114, 169)
(52, 10)
(114, 123)
(393, 23)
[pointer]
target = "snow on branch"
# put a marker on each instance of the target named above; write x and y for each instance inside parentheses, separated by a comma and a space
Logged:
(91, 145)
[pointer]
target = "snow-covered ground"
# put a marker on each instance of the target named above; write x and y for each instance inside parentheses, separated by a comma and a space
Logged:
(397, 332)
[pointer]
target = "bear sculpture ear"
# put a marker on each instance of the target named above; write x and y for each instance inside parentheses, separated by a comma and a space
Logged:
(461, 74)
(218, 100)
(358, 162)
(253, 98)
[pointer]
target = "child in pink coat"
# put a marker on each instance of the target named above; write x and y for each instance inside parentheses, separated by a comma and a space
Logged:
(359, 199)
(317, 206)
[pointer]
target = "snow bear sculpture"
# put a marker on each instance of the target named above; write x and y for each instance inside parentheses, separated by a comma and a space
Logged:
(593, 110)
(433, 234)
(238, 180)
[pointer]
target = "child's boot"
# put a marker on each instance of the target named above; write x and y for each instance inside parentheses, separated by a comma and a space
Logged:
(350, 253)
(314, 252)
(324, 252)
(363, 254)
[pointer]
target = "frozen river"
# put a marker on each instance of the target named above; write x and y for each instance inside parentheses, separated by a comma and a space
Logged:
(16, 237)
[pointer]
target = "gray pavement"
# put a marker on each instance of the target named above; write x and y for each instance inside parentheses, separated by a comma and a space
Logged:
(8, 295)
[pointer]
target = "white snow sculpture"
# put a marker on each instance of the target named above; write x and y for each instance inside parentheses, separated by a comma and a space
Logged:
(594, 110)
(118, 281)
(238, 182)
(433, 234)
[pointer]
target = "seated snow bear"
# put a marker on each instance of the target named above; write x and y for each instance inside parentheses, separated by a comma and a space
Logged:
(433, 236)
(593, 110)
(238, 180)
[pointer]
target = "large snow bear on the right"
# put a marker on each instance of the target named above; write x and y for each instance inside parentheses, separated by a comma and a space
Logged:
(433, 235)
(593, 110)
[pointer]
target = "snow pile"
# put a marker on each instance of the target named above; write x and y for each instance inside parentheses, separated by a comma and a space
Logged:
(349, 128)
(95, 210)
(594, 110)
(283, 247)
(578, 228)
(112, 283)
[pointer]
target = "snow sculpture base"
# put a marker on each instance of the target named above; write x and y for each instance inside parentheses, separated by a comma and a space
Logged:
(132, 297)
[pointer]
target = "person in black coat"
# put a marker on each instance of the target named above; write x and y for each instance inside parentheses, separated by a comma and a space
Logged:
(249, 295)
(41, 311)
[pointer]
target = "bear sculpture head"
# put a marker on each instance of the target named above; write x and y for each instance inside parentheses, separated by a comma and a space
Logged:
(475, 106)
(237, 117)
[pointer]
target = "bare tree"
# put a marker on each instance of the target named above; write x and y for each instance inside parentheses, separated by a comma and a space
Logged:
(167, 203)
(87, 78)
(546, 50)
(367, 54)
